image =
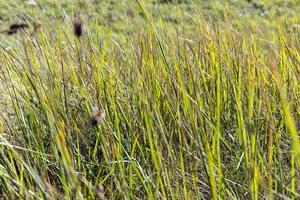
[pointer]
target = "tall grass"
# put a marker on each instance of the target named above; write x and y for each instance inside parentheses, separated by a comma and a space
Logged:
(214, 116)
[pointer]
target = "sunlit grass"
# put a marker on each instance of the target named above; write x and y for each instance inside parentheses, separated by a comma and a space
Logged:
(214, 115)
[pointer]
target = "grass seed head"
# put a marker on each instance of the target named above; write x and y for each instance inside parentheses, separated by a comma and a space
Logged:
(13, 28)
(77, 25)
(18, 26)
(97, 116)
(37, 25)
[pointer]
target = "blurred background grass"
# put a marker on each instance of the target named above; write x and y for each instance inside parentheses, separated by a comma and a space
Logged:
(123, 18)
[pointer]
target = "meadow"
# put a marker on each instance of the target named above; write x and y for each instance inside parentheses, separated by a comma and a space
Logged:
(158, 99)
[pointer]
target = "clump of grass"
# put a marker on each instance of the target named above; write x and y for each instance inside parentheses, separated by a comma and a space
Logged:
(204, 117)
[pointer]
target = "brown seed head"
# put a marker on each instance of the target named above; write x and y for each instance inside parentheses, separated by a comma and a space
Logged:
(16, 26)
(77, 25)
(13, 28)
(97, 117)
(37, 25)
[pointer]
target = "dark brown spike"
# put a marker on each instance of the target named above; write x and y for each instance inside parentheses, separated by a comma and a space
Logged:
(77, 24)
(18, 26)
(96, 117)
(13, 28)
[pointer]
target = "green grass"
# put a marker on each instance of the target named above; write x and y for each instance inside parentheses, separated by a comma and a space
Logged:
(201, 100)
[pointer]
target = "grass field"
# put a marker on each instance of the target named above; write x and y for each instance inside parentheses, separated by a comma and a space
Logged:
(156, 100)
